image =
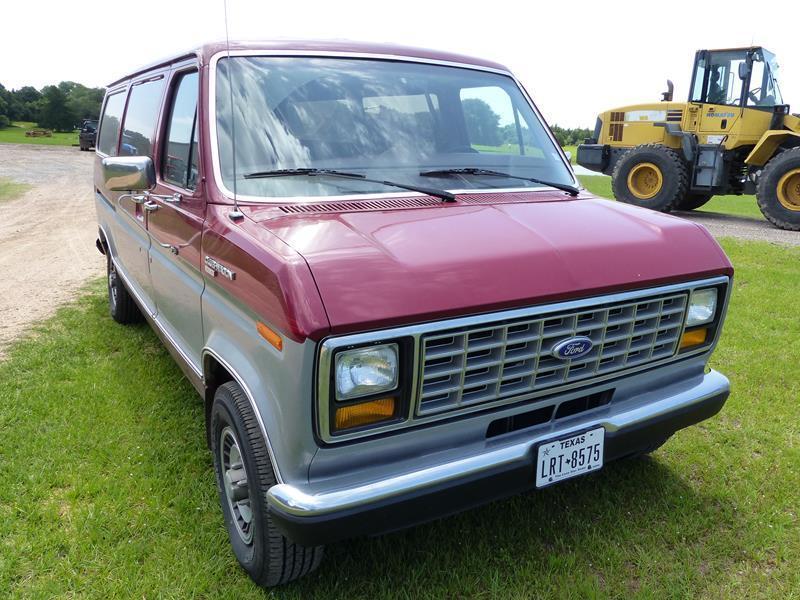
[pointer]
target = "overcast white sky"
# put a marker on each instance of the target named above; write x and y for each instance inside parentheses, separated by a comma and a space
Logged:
(575, 57)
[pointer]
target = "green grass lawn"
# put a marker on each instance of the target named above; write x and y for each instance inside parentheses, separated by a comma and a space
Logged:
(16, 135)
(10, 189)
(107, 488)
(740, 206)
(573, 150)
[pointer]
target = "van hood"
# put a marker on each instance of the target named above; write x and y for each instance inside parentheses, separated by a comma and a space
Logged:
(379, 268)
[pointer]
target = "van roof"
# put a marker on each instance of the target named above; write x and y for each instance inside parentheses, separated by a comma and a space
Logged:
(206, 51)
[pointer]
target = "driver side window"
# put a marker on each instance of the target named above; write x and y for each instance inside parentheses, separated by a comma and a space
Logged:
(723, 85)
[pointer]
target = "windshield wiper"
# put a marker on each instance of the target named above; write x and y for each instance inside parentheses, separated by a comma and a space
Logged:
(312, 172)
(570, 189)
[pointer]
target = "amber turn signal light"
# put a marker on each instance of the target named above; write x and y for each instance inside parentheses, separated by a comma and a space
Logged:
(269, 335)
(695, 337)
(365, 413)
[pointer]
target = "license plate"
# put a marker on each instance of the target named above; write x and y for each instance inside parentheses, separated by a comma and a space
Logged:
(564, 458)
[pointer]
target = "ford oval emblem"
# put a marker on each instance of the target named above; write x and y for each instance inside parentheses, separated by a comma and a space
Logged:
(572, 348)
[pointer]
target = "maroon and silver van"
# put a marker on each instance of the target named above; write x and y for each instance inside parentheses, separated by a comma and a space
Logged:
(376, 267)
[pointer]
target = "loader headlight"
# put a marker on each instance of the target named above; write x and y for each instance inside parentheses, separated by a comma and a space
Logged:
(366, 371)
(702, 307)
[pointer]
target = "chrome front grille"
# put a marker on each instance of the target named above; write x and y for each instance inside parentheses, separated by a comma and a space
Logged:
(482, 363)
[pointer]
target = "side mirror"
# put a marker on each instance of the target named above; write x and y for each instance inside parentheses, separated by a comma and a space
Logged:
(129, 173)
(744, 70)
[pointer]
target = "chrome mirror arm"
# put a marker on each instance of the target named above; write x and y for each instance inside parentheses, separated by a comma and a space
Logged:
(172, 198)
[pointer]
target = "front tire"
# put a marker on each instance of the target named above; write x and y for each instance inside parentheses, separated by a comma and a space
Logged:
(244, 475)
(650, 176)
(778, 191)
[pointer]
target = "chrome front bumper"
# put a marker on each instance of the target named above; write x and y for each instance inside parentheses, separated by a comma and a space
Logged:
(313, 513)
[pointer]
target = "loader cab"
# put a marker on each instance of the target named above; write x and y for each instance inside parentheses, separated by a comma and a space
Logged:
(740, 77)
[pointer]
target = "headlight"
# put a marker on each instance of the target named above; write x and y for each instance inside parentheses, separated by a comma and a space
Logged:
(366, 371)
(702, 307)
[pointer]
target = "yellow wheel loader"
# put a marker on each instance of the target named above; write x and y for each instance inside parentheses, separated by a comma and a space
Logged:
(735, 135)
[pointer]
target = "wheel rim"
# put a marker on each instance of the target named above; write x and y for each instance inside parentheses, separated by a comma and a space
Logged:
(789, 190)
(235, 484)
(112, 284)
(645, 180)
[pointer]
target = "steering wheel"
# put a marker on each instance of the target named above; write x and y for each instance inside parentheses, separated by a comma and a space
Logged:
(754, 95)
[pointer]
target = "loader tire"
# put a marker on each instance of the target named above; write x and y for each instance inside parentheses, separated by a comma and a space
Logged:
(691, 201)
(778, 190)
(650, 176)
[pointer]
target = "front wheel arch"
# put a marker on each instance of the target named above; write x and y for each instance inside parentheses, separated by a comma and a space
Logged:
(217, 372)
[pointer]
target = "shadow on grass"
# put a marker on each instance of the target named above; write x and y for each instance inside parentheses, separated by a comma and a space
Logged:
(630, 506)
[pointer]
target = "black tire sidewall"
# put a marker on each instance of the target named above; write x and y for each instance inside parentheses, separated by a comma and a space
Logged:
(113, 307)
(225, 414)
(692, 202)
(767, 192)
(673, 185)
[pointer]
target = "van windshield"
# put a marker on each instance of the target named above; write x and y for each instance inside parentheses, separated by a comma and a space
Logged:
(384, 119)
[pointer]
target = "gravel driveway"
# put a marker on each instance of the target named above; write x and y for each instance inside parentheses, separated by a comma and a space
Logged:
(721, 225)
(47, 236)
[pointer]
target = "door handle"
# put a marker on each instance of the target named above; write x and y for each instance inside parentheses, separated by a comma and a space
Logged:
(170, 247)
(135, 198)
(150, 206)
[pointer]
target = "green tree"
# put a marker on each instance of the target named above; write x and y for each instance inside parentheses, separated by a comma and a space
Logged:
(85, 102)
(28, 100)
(4, 118)
(55, 112)
(483, 124)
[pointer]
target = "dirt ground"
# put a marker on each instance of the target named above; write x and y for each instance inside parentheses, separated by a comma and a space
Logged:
(722, 225)
(46, 236)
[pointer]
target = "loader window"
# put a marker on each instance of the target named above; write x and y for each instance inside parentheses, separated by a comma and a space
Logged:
(763, 81)
(717, 78)
(699, 81)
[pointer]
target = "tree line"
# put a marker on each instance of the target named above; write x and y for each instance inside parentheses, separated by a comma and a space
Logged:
(571, 137)
(59, 107)
(484, 127)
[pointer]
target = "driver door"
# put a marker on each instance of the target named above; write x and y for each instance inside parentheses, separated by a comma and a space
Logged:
(175, 220)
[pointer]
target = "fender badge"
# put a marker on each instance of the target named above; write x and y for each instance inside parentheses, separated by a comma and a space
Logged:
(213, 267)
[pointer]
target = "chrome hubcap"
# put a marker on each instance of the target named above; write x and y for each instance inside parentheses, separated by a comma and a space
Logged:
(112, 284)
(235, 484)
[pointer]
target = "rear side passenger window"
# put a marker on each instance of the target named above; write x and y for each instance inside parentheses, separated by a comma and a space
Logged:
(180, 154)
(109, 126)
(140, 119)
